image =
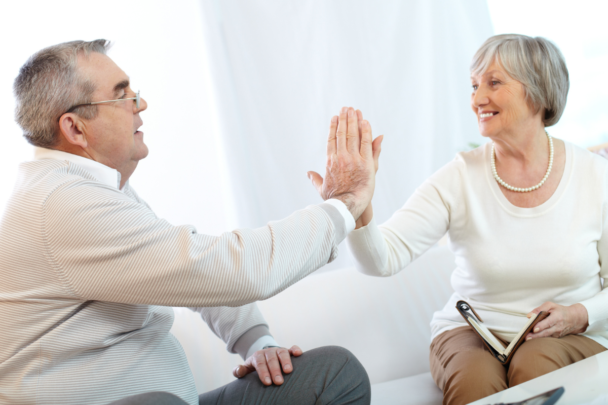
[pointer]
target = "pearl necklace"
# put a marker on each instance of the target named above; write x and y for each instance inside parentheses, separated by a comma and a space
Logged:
(524, 190)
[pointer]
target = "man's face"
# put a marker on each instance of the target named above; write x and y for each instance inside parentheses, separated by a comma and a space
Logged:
(112, 136)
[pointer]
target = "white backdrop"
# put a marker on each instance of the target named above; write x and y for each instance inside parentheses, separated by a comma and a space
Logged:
(240, 93)
(282, 69)
(159, 44)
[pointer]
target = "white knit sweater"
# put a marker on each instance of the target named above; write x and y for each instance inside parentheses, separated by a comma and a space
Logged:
(509, 260)
(88, 276)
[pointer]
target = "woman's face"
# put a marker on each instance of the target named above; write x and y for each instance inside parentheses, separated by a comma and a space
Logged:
(499, 102)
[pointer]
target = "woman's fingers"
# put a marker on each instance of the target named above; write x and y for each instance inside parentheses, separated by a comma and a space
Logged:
(352, 132)
(359, 119)
(341, 146)
(317, 181)
(376, 148)
(331, 140)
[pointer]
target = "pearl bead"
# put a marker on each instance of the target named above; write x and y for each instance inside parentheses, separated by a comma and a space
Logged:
(523, 190)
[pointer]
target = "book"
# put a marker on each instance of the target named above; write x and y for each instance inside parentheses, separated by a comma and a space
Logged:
(496, 346)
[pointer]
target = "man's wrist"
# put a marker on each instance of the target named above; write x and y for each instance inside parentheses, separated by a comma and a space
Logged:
(349, 220)
(261, 344)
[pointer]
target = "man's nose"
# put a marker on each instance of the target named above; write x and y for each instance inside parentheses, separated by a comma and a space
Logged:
(143, 105)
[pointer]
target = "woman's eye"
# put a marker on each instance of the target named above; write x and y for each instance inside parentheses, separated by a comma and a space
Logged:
(494, 82)
(474, 87)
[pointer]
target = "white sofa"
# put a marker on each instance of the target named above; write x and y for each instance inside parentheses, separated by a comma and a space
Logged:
(383, 321)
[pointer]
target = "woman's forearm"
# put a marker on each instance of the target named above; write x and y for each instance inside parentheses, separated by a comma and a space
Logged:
(366, 217)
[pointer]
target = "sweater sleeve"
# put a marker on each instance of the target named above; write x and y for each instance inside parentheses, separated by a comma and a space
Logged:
(387, 249)
(104, 245)
(597, 306)
(238, 327)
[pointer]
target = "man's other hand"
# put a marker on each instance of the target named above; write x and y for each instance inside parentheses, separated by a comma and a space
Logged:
(352, 159)
(268, 363)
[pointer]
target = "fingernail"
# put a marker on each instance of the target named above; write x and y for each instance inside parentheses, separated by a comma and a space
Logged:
(279, 379)
(351, 113)
(308, 175)
(344, 109)
(287, 367)
(334, 119)
(536, 330)
(268, 380)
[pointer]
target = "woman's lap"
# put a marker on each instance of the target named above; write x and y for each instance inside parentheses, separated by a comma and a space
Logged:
(466, 371)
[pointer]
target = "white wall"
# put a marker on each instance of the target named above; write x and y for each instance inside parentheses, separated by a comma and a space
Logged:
(159, 44)
(578, 28)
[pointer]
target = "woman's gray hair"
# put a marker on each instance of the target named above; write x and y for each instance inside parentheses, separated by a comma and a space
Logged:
(49, 84)
(536, 63)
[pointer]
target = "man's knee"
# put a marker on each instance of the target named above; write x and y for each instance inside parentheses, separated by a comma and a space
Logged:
(341, 373)
(533, 358)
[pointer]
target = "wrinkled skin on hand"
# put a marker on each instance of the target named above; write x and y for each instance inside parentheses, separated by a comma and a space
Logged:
(562, 321)
(270, 364)
(352, 161)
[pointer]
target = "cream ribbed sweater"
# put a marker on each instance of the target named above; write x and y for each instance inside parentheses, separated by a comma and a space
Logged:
(509, 260)
(89, 275)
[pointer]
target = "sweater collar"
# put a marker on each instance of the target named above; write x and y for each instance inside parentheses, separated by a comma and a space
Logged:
(103, 173)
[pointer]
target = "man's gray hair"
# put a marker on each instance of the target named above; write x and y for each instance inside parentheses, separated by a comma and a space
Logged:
(48, 85)
(536, 63)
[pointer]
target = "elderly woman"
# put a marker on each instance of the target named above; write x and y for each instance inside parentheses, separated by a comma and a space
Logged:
(527, 219)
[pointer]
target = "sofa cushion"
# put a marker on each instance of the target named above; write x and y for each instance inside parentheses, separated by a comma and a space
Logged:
(415, 390)
(383, 321)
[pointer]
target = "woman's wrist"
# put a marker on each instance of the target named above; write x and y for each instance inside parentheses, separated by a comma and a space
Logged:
(581, 317)
(365, 218)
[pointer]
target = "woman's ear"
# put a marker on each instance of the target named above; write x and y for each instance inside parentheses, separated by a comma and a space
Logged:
(71, 128)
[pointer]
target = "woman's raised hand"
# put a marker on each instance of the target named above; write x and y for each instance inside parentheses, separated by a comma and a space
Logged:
(351, 162)
(562, 321)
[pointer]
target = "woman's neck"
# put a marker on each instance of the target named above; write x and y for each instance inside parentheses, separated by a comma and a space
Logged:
(527, 146)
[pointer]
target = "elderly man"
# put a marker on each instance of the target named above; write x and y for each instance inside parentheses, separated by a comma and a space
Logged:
(89, 272)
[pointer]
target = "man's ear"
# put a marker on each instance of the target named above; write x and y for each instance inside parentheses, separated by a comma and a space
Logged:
(72, 129)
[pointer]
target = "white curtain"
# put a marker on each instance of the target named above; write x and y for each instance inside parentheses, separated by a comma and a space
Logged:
(241, 92)
(281, 69)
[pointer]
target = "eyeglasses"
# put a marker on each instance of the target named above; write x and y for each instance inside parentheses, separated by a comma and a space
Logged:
(136, 98)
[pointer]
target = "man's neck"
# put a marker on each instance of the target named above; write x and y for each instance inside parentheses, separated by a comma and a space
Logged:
(125, 173)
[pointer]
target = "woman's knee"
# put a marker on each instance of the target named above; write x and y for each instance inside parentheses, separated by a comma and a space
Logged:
(472, 375)
(534, 358)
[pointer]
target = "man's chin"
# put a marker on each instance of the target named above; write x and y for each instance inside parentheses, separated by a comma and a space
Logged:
(142, 152)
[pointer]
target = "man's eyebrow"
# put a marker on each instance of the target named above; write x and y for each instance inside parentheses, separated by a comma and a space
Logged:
(120, 86)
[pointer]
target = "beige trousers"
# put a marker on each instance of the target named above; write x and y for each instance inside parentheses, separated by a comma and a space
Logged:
(465, 370)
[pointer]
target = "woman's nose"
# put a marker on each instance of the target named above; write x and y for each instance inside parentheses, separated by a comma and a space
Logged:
(480, 97)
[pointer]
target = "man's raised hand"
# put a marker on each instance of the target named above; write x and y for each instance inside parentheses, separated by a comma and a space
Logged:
(352, 160)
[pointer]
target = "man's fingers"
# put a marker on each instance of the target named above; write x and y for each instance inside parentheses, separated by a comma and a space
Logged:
(274, 366)
(341, 131)
(262, 368)
(317, 181)
(285, 360)
(295, 351)
(352, 132)
(331, 140)
(366, 140)
(240, 371)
